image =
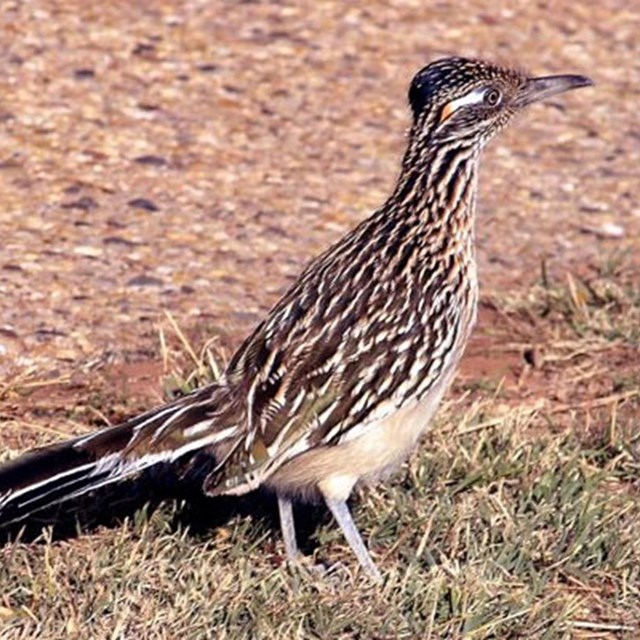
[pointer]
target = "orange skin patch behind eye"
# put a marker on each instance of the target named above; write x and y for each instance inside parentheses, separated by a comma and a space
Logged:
(447, 111)
(473, 97)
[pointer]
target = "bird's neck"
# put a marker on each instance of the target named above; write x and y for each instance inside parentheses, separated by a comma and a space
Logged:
(437, 186)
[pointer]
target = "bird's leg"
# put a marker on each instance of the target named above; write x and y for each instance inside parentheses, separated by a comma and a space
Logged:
(285, 509)
(341, 513)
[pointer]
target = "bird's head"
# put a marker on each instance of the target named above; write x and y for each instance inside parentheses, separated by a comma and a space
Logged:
(459, 98)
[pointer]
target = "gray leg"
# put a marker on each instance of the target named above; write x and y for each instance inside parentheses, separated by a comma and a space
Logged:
(341, 513)
(285, 508)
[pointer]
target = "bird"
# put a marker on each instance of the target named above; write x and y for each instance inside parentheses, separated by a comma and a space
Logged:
(336, 386)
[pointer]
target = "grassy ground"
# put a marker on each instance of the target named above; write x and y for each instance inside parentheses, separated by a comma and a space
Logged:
(517, 518)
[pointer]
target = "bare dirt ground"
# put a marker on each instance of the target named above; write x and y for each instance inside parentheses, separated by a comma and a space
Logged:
(189, 157)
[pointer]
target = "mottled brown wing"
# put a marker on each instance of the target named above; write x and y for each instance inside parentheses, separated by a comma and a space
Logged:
(311, 372)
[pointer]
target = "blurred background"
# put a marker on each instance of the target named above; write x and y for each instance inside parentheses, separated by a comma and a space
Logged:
(191, 156)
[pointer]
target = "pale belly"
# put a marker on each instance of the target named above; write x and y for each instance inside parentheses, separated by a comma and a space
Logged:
(381, 447)
(377, 447)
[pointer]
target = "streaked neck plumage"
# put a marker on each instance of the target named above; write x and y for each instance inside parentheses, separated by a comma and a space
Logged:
(438, 180)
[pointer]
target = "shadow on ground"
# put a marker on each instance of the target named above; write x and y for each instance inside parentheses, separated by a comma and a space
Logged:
(199, 514)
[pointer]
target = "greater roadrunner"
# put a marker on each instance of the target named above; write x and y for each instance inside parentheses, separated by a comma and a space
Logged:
(340, 380)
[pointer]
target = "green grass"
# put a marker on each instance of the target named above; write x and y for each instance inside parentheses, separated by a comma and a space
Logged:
(512, 520)
(494, 533)
(605, 304)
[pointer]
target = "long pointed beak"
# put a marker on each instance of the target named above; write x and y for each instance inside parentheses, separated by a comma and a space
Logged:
(536, 89)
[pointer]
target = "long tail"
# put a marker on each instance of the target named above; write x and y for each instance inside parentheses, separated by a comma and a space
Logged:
(45, 476)
(60, 472)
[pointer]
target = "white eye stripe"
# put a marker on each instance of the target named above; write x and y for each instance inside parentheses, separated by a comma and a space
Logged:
(488, 95)
(473, 97)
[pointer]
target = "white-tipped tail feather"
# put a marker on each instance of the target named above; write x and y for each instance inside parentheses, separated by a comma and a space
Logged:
(65, 471)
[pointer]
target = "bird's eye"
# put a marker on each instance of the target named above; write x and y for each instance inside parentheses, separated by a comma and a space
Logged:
(492, 97)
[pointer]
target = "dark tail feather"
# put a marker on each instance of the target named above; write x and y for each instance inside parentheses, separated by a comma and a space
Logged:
(52, 475)
(42, 463)
(48, 475)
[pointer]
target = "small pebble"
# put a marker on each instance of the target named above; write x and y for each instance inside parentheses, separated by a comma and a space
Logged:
(605, 230)
(142, 203)
(145, 281)
(86, 203)
(155, 161)
(83, 74)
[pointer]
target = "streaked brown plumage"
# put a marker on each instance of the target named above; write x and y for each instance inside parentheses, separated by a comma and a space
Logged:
(340, 380)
